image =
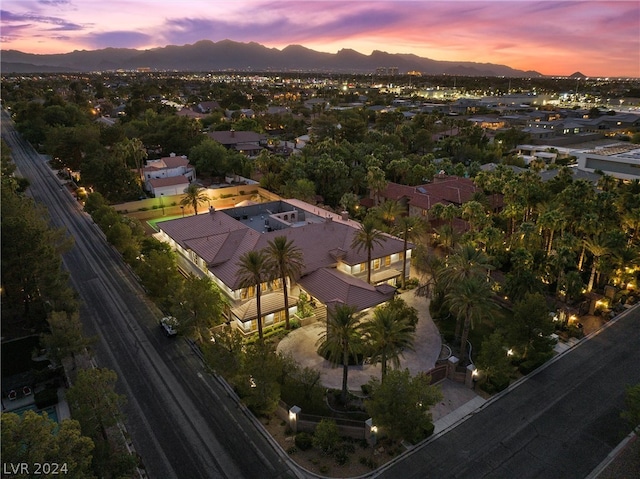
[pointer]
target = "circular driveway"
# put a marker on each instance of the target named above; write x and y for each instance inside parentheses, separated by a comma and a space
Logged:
(301, 344)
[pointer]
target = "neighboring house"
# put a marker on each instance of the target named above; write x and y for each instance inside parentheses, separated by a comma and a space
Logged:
(620, 161)
(174, 185)
(333, 271)
(420, 199)
(174, 168)
(248, 143)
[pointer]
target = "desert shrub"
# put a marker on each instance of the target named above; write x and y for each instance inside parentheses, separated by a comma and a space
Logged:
(326, 436)
(304, 441)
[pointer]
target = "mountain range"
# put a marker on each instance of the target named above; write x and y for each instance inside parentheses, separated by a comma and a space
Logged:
(229, 55)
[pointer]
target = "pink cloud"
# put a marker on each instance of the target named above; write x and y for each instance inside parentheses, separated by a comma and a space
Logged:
(550, 36)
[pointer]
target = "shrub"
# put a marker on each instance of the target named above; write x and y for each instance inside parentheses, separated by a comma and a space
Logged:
(292, 450)
(326, 436)
(342, 457)
(294, 323)
(304, 441)
(369, 462)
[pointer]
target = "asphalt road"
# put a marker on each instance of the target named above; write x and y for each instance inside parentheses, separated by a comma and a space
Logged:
(560, 422)
(181, 419)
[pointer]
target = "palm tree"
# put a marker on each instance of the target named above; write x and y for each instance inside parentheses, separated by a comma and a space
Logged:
(284, 260)
(598, 247)
(388, 213)
(252, 271)
(367, 237)
(342, 338)
(466, 263)
(410, 228)
(474, 212)
(388, 334)
(551, 220)
(470, 300)
(194, 197)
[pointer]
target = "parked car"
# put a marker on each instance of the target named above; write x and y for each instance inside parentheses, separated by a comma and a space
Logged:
(169, 325)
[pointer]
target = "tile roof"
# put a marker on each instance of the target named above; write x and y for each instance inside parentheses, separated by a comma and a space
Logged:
(235, 137)
(170, 181)
(269, 303)
(449, 190)
(221, 240)
(331, 286)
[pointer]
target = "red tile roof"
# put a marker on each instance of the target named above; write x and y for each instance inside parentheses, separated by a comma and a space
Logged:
(451, 189)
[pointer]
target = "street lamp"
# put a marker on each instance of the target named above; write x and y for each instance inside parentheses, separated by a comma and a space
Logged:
(182, 208)
(162, 203)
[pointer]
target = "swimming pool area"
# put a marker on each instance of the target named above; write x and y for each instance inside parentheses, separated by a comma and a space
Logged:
(51, 411)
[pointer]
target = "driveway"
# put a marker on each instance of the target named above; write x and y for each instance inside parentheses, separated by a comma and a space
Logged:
(301, 344)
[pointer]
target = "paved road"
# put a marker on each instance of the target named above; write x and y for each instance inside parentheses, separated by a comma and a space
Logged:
(182, 421)
(559, 423)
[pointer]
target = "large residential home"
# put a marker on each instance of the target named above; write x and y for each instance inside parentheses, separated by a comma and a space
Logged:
(168, 176)
(333, 273)
(418, 200)
(248, 143)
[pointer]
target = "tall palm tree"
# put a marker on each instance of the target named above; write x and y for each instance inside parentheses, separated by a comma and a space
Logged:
(367, 237)
(252, 271)
(388, 213)
(409, 228)
(466, 263)
(598, 247)
(194, 197)
(470, 300)
(342, 338)
(551, 220)
(388, 334)
(284, 260)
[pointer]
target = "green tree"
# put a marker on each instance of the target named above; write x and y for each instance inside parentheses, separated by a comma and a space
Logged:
(342, 339)
(94, 401)
(326, 437)
(367, 237)
(401, 405)
(598, 247)
(493, 362)
(194, 196)
(376, 182)
(303, 189)
(471, 300)
(387, 335)
(35, 438)
(388, 213)
(132, 153)
(65, 338)
(284, 260)
(159, 273)
(409, 228)
(258, 382)
(201, 306)
(209, 157)
(529, 329)
(253, 272)
(32, 275)
(224, 354)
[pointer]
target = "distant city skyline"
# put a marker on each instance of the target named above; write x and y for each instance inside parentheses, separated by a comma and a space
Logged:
(598, 38)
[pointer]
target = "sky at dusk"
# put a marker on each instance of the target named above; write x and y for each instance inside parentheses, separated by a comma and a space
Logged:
(597, 38)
